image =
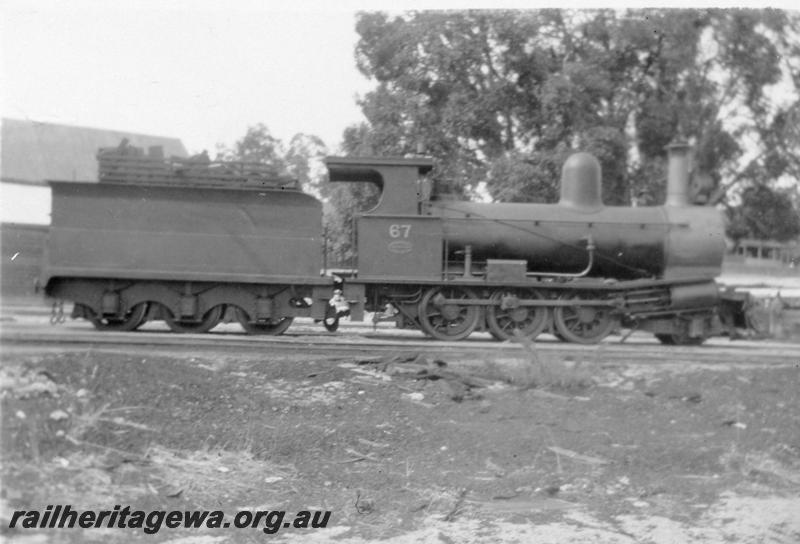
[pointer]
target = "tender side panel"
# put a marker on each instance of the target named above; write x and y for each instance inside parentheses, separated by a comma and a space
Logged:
(183, 233)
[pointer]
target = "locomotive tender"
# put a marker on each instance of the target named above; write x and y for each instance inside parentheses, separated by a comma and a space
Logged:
(194, 243)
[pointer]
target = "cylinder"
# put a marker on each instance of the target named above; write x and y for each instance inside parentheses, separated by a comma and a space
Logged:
(699, 295)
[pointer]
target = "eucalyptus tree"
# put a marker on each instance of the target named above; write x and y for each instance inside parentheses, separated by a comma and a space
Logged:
(503, 96)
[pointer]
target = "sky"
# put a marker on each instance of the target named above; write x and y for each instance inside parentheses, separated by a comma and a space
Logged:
(201, 71)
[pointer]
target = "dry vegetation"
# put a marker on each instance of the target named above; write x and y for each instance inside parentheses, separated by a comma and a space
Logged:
(411, 447)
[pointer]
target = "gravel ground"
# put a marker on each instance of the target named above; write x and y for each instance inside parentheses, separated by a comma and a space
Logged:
(536, 446)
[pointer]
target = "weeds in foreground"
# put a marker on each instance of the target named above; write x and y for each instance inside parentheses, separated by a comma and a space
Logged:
(208, 474)
(539, 370)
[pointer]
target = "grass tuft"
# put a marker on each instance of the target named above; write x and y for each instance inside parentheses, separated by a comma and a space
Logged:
(545, 371)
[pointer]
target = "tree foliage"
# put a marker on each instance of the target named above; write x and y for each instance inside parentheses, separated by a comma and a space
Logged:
(257, 145)
(764, 213)
(301, 159)
(505, 96)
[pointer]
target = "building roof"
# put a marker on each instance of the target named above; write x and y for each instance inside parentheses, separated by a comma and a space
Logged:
(34, 152)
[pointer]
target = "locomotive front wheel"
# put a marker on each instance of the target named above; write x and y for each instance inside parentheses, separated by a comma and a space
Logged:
(448, 321)
(680, 340)
(130, 321)
(272, 327)
(666, 339)
(209, 320)
(506, 318)
(583, 324)
(680, 337)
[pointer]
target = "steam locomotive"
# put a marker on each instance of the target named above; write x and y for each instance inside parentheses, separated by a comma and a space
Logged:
(197, 242)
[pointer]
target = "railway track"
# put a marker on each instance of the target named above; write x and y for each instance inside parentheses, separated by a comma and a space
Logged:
(356, 340)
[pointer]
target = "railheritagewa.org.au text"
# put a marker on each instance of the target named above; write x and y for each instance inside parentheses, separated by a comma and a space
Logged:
(63, 516)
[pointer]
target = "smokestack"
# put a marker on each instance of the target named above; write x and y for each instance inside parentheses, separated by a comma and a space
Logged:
(678, 173)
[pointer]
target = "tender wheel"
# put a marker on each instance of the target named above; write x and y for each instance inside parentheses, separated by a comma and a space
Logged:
(506, 319)
(272, 327)
(666, 339)
(680, 337)
(131, 320)
(331, 320)
(209, 320)
(447, 321)
(583, 324)
(757, 318)
(688, 340)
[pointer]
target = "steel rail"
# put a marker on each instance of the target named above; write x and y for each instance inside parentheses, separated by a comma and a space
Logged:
(322, 343)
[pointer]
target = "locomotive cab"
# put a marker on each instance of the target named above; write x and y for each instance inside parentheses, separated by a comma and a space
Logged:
(395, 241)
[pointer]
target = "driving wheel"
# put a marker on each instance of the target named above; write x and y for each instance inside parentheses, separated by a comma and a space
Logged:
(506, 318)
(583, 324)
(443, 317)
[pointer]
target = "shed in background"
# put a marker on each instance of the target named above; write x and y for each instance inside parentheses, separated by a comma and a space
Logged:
(31, 154)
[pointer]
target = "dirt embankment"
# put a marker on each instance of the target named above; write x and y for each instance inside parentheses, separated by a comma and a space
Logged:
(534, 448)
